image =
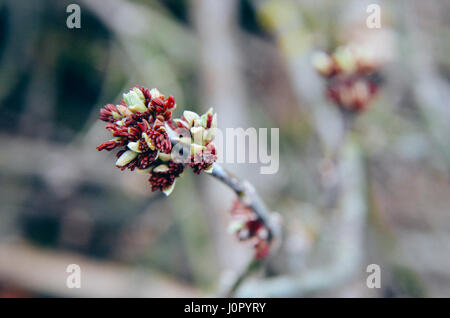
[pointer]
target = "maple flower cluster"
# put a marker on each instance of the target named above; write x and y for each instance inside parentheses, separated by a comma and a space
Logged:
(247, 226)
(195, 134)
(352, 76)
(146, 135)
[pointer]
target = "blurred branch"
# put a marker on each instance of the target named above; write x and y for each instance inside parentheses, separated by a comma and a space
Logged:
(63, 167)
(45, 272)
(295, 39)
(430, 89)
(346, 251)
(136, 23)
(239, 280)
(161, 50)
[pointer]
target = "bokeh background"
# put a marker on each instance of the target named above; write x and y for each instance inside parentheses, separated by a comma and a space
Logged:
(63, 202)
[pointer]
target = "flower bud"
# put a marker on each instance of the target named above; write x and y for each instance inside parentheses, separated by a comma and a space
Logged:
(134, 145)
(209, 134)
(124, 111)
(165, 156)
(190, 117)
(134, 101)
(323, 63)
(196, 148)
(197, 134)
(204, 120)
(344, 59)
(167, 191)
(143, 129)
(161, 168)
(139, 93)
(149, 142)
(214, 121)
(209, 169)
(352, 79)
(145, 171)
(126, 158)
(155, 93)
(235, 226)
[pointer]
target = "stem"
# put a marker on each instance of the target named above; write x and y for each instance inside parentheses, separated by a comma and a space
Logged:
(253, 265)
(248, 195)
(331, 192)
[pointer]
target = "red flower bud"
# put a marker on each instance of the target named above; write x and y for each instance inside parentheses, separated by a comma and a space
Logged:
(248, 227)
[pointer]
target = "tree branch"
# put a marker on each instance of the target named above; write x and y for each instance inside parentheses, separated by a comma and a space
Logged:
(248, 195)
(346, 254)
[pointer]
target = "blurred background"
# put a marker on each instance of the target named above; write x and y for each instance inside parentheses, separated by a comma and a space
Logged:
(63, 202)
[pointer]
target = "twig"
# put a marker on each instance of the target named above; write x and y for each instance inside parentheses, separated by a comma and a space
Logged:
(252, 266)
(44, 271)
(247, 194)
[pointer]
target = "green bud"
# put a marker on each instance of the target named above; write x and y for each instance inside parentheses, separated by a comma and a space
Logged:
(235, 226)
(208, 135)
(214, 121)
(148, 141)
(197, 134)
(134, 102)
(165, 156)
(167, 191)
(155, 93)
(126, 158)
(134, 145)
(139, 94)
(209, 169)
(144, 171)
(161, 168)
(203, 120)
(190, 117)
(322, 62)
(344, 58)
(196, 148)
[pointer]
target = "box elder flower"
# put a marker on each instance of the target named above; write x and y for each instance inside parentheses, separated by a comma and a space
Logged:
(352, 76)
(140, 127)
